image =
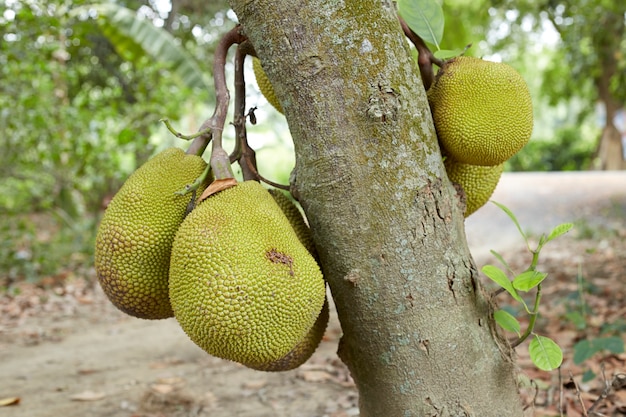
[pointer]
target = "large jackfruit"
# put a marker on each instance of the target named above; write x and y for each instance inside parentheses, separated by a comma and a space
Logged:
(482, 110)
(307, 346)
(135, 235)
(478, 182)
(242, 286)
(266, 87)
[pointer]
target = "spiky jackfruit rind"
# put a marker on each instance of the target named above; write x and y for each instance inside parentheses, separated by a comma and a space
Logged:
(482, 110)
(135, 235)
(478, 182)
(303, 350)
(296, 219)
(242, 286)
(266, 87)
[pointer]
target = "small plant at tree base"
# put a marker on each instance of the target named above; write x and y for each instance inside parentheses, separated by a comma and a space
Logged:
(608, 339)
(544, 352)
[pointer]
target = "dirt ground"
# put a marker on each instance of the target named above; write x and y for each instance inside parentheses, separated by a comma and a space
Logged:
(66, 351)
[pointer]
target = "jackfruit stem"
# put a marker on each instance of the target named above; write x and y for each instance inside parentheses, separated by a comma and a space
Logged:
(220, 163)
(239, 120)
(242, 152)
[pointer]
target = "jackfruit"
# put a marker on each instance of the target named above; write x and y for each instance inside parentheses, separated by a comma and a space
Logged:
(296, 219)
(482, 110)
(307, 346)
(303, 350)
(242, 286)
(264, 84)
(478, 182)
(135, 235)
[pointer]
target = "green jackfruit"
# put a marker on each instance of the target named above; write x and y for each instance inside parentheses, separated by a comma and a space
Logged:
(242, 286)
(135, 235)
(264, 84)
(482, 110)
(296, 219)
(307, 346)
(303, 350)
(478, 182)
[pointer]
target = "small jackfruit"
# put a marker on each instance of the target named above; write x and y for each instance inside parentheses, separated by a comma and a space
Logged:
(264, 84)
(135, 235)
(482, 110)
(478, 182)
(242, 286)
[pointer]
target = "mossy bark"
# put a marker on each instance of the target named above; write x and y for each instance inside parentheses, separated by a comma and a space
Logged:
(418, 335)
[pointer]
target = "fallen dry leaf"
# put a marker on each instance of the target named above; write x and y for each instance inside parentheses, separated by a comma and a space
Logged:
(87, 396)
(4, 402)
(258, 384)
(162, 388)
(316, 376)
(172, 380)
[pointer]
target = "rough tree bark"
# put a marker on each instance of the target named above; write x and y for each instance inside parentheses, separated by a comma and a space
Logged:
(418, 335)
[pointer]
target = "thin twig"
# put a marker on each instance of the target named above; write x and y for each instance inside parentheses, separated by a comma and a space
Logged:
(605, 392)
(265, 180)
(560, 392)
(180, 135)
(578, 394)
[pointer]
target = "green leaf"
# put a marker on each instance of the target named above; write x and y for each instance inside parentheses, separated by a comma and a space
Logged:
(448, 53)
(499, 277)
(512, 217)
(424, 17)
(613, 344)
(545, 354)
(585, 349)
(528, 280)
(588, 375)
(559, 230)
(134, 37)
(507, 321)
(577, 319)
(501, 259)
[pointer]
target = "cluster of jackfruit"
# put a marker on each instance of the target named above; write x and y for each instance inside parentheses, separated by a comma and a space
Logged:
(237, 269)
(483, 115)
(482, 111)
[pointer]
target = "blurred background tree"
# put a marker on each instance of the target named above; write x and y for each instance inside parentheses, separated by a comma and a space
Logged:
(588, 61)
(84, 85)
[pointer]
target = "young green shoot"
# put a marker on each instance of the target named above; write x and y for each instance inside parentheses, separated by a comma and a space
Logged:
(544, 352)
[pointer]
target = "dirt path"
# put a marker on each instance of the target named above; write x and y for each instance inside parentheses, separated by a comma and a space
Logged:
(540, 201)
(95, 361)
(69, 353)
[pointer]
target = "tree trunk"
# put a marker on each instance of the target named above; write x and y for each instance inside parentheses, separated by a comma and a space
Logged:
(610, 148)
(418, 338)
